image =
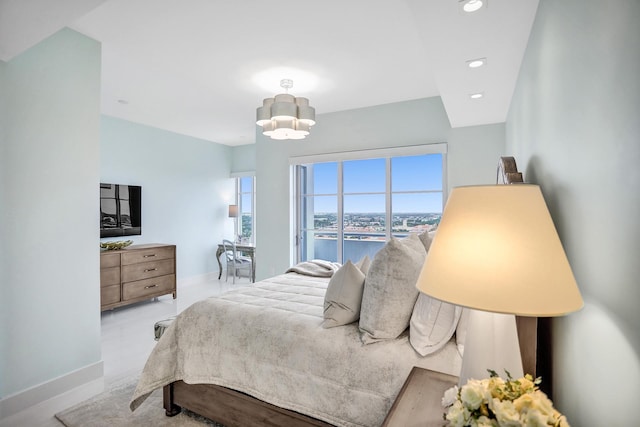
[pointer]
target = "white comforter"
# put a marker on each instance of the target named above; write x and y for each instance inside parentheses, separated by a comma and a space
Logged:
(267, 341)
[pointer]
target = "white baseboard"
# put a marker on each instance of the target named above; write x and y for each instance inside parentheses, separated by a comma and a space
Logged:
(81, 383)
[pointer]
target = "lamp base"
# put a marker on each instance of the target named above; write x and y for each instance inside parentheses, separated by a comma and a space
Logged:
(491, 343)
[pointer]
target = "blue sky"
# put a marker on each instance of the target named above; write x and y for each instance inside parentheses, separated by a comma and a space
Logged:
(414, 173)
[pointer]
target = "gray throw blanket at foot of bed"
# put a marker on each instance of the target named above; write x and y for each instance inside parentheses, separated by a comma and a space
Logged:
(315, 268)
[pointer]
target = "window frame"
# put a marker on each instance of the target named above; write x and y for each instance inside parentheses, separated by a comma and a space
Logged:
(340, 157)
(238, 193)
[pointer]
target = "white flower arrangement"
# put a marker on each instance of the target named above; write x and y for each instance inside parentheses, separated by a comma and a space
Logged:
(494, 402)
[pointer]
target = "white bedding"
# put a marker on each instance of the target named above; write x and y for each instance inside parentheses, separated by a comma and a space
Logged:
(267, 340)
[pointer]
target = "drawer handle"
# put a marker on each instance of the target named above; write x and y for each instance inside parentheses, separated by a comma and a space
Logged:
(151, 286)
(149, 256)
(150, 269)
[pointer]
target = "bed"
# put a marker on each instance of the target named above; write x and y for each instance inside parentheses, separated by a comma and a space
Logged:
(260, 355)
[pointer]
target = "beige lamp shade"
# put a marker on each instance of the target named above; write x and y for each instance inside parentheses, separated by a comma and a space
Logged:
(233, 211)
(497, 249)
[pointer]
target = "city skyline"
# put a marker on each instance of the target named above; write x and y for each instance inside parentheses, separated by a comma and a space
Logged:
(375, 223)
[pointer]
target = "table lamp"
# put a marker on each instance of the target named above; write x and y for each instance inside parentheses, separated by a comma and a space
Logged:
(497, 252)
(233, 211)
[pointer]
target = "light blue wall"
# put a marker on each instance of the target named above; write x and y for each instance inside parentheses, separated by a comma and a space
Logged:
(473, 157)
(574, 126)
(243, 158)
(186, 188)
(49, 170)
(473, 154)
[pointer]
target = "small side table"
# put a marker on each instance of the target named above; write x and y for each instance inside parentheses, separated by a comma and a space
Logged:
(419, 403)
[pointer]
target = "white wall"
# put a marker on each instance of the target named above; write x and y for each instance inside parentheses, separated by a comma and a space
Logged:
(49, 171)
(574, 127)
(186, 188)
(473, 157)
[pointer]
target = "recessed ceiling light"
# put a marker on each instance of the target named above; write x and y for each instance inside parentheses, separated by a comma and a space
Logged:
(475, 63)
(472, 5)
(476, 95)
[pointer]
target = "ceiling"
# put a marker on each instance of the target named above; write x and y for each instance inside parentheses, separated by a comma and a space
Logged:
(201, 67)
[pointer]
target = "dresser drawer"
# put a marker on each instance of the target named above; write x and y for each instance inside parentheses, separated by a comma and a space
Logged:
(109, 260)
(109, 276)
(147, 270)
(148, 287)
(110, 294)
(151, 254)
(136, 273)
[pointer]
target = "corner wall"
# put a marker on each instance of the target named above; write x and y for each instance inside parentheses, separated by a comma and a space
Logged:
(49, 170)
(574, 128)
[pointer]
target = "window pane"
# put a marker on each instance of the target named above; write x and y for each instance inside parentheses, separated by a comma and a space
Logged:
(319, 245)
(364, 176)
(247, 225)
(413, 173)
(322, 178)
(246, 202)
(419, 203)
(319, 212)
(246, 195)
(356, 249)
(246, 184)
(364, 225)
(364, 204)
(416, 212)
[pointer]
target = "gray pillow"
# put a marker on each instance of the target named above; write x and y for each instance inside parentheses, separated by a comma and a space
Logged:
(344, 296)
(426, 238)
(390, 289)
(432, 325)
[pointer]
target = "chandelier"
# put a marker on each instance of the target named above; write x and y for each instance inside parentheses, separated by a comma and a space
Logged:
(285, 116)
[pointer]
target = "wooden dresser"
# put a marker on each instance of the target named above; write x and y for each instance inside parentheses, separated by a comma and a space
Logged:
(136, 273)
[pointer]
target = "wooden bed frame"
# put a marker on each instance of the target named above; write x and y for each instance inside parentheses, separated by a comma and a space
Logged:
(230, 408)
(235, 409)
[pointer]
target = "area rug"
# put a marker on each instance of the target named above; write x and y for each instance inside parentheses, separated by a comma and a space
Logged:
(111, 409)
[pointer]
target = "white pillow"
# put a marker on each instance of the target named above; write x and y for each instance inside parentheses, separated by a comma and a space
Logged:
(390, 289)
(344, 296)
(364, 264)
(432, 325)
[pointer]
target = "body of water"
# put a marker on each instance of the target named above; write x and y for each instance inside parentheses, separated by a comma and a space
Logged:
(354, 249)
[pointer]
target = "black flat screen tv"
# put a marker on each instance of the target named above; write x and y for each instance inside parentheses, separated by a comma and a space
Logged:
(120, 210)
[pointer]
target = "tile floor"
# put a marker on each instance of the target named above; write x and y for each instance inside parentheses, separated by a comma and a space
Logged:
(127, 340)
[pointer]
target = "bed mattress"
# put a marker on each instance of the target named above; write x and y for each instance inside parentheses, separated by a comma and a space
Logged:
(267, 341)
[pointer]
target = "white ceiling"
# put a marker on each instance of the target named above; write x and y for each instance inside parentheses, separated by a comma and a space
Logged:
(194, 67)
